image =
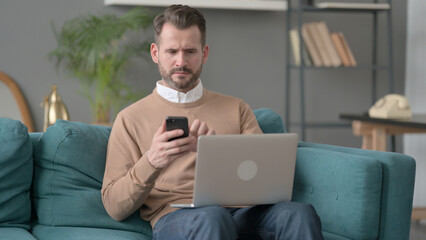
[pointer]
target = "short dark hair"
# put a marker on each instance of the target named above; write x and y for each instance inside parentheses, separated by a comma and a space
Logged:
(182, 17)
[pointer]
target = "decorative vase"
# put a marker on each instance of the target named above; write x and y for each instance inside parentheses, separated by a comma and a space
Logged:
(54, 108)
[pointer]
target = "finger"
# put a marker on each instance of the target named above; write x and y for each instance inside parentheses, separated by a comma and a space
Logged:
(177, 150)
(211, 132)
(166, 136)
(173, 152)
(203, 129)
(179, 142)
(194, 127)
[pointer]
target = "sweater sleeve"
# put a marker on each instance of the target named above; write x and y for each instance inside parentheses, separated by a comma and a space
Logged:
(249, 124)
(129, 177)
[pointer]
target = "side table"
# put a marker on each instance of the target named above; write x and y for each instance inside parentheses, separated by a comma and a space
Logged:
(375, 130)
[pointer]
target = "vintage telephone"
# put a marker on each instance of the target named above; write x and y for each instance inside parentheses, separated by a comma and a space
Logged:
(392, 106)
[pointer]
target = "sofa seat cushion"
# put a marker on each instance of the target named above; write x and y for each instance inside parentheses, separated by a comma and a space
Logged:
(344, 188)
(42, 232)
(13, 233)
(70, 164)
(330, 236)
(16, 172)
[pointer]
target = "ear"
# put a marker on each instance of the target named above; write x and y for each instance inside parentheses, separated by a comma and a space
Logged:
(205, 53)
(154, 52)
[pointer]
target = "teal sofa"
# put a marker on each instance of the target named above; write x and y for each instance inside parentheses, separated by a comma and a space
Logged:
(50, 186)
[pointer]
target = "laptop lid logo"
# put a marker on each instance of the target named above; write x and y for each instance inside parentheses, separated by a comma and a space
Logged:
(247, 170)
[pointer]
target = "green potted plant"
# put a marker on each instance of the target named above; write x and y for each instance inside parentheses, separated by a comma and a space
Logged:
(95, 50)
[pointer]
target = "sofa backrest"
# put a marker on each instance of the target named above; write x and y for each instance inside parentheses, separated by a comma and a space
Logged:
(16, 169)
(269, 121)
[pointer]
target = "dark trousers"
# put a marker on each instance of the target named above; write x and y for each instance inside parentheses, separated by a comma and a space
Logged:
(287, 220)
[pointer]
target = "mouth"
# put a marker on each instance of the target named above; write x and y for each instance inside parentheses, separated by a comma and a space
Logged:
(181, 71)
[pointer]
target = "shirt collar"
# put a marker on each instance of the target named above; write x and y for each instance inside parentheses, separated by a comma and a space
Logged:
(180, 97)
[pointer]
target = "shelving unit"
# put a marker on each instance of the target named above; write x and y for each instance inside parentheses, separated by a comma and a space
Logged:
(299, 9)
(265, 5)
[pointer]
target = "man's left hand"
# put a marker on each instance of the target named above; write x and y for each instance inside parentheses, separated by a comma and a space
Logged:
(197, 129)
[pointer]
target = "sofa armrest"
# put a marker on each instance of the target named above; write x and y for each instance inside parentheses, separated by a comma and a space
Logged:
(398, 174)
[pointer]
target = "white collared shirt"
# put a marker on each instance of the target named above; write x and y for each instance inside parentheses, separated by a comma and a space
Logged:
(180, 97)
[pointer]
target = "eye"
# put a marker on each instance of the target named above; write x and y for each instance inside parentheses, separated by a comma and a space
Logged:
(191, 51)
(171, 51)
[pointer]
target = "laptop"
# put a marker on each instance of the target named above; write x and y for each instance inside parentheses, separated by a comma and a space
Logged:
(243, 170)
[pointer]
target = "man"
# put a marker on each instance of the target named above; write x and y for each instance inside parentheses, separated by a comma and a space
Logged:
(146, 172)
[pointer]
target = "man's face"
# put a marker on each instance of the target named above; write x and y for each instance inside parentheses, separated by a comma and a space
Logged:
(180, 56)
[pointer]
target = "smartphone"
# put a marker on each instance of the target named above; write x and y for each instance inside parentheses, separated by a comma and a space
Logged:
(173, 123)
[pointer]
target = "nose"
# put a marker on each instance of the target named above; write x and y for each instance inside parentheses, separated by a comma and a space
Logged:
(180, 60)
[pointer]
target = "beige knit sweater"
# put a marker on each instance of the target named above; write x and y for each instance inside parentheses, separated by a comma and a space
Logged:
(131, 183)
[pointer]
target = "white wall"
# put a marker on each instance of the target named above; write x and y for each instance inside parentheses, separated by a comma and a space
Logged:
(415, 144)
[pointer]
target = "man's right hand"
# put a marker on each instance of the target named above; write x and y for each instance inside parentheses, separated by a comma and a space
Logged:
(163, 152)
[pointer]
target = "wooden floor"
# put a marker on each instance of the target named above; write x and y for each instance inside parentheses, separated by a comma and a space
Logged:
(418, 230)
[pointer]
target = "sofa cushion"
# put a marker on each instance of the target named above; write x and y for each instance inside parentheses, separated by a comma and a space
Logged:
(80, 233)
(345, 190)
(14, 233)
(16, 171)
(70, 164)
(330, 236)
(269, 121)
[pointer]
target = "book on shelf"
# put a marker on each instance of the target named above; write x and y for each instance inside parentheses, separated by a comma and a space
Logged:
(319, 44)
(310, 47)
(321, 48)
(348, 50)
(340, 5)
(305, 56)
(328, 44)
(295, 45)
(340, 49)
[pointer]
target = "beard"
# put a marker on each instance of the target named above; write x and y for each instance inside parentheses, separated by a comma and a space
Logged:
(182, 83)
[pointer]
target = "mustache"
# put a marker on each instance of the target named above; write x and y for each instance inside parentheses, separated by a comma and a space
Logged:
(180, 69)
